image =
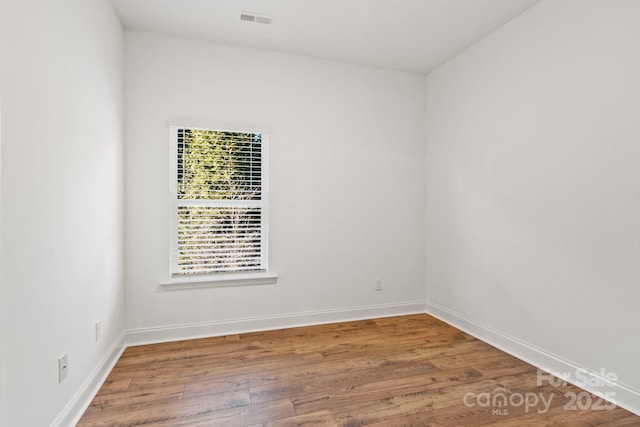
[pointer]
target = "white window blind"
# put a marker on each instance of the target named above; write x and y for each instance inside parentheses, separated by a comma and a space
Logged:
(219, 201)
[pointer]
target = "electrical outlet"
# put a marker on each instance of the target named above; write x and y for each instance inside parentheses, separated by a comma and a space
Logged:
(378, 284)
(98, 330)
(63, 367)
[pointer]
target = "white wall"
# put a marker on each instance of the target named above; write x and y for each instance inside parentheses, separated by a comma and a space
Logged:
(61, 199)
(533, 194)
(346, 177)
(2, 297)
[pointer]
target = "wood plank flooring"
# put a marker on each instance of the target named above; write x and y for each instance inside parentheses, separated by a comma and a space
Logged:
(391, 372)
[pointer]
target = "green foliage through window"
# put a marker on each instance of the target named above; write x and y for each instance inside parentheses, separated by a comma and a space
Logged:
(219, 201)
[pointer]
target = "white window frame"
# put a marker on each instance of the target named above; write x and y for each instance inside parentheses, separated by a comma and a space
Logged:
(254, 277)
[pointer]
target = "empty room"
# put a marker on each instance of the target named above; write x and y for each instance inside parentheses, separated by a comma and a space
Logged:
(319, 213)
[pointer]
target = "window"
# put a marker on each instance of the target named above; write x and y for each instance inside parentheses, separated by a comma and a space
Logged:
(219, 201)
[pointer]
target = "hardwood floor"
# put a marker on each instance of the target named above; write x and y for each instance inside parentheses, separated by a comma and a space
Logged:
(391, 372)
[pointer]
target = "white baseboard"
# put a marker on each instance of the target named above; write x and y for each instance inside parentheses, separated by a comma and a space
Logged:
(625, 396)
(264, 323)
(80, 401)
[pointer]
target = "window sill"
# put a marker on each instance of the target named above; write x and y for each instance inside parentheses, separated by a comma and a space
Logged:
(246, 279)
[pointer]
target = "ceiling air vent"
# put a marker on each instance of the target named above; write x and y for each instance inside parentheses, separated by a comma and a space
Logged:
(252, 17)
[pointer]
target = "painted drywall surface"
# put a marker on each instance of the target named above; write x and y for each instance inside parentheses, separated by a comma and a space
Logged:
(61, 199)
(2, 297)
(533, 194)
(346, 177)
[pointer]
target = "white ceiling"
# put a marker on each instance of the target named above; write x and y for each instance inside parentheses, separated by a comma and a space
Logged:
(410, 35)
